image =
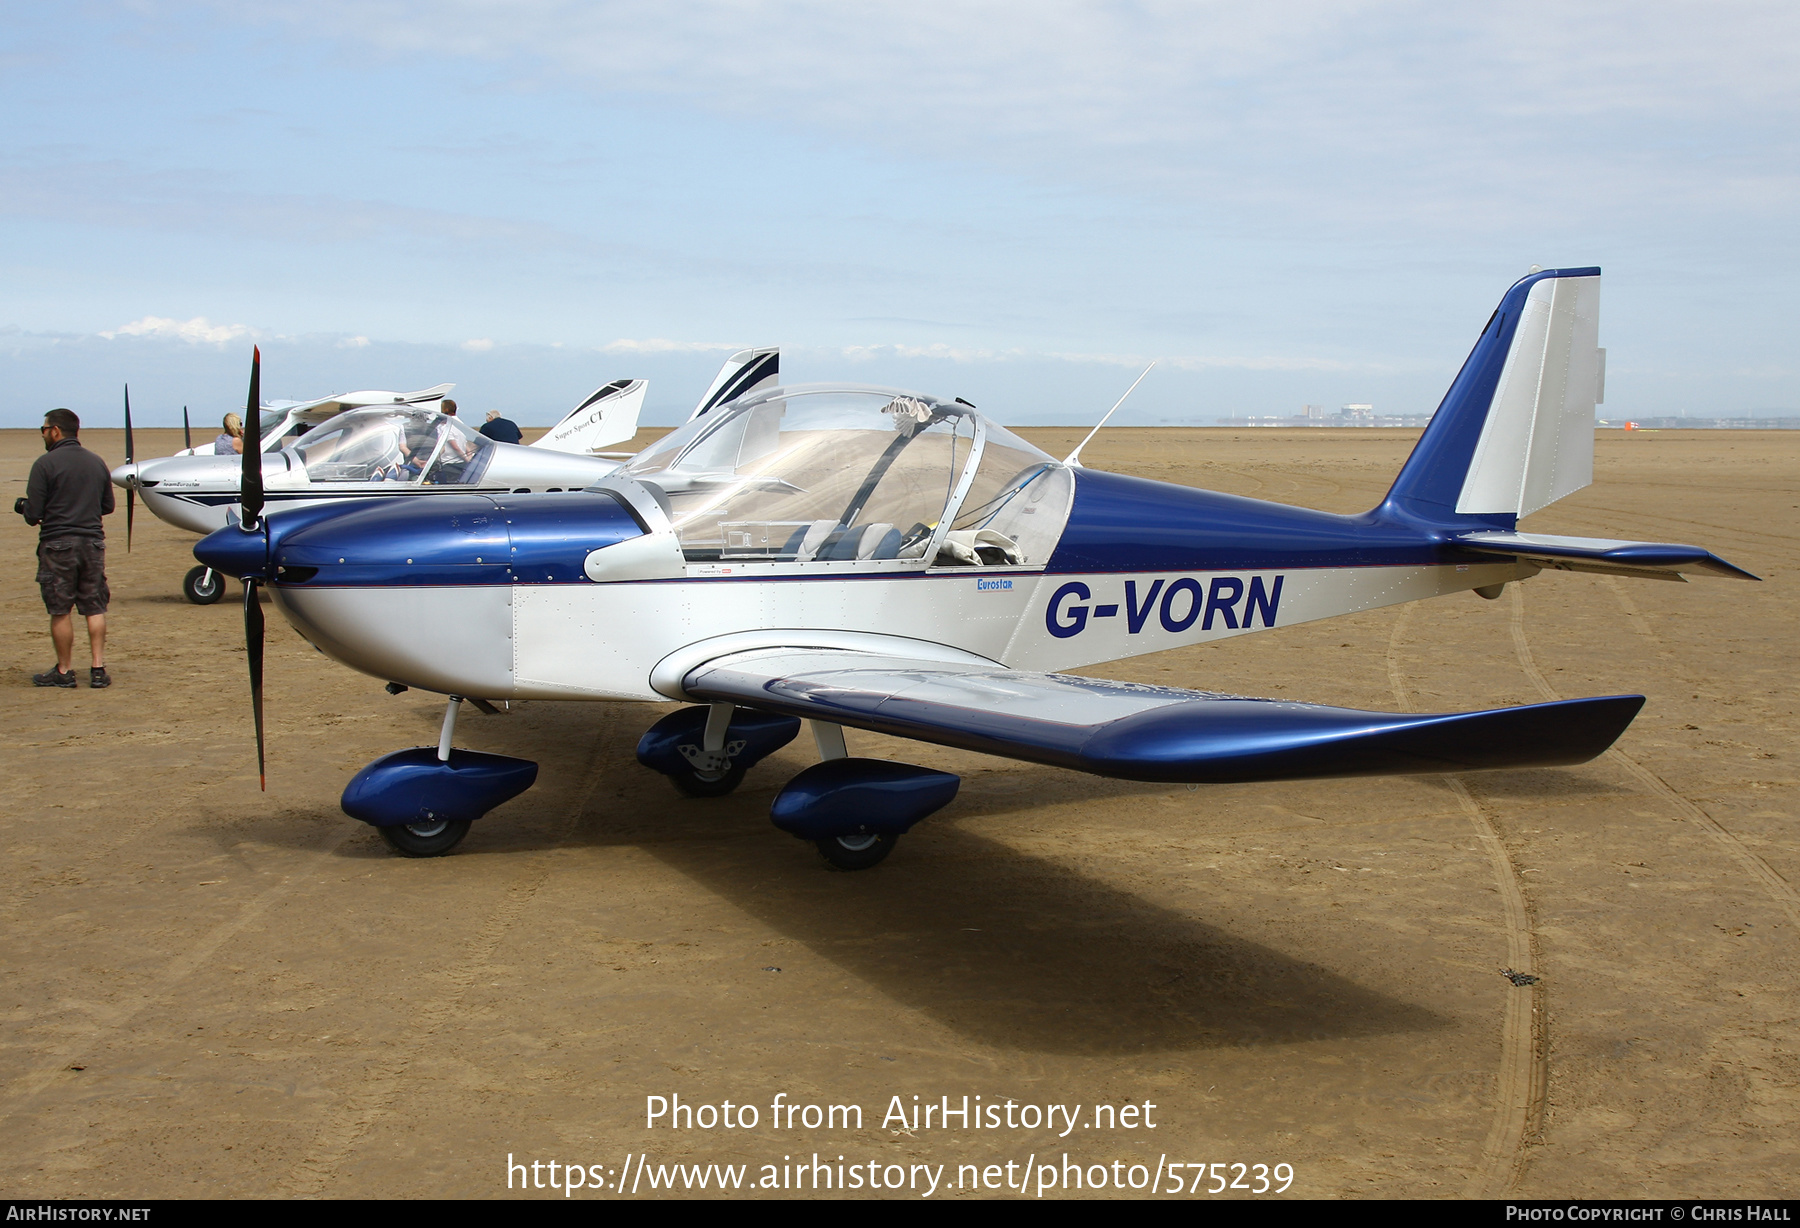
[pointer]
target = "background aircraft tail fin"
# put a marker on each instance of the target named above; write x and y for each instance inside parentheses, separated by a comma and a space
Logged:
(1515, 432)
(745, 371)
(608, 415)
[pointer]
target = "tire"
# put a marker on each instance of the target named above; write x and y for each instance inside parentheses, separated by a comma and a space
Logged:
(855, 852)
(196, 590)
(693, 784)
(425, 839)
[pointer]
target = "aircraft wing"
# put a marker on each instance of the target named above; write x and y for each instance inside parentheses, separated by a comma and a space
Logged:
(608, 415)
(1155, 733)
(1654, 560)
(337, 403)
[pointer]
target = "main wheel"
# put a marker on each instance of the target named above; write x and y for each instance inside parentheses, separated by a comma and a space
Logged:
(855, 852)
(203, 586)
(432, 839)
(709, 784)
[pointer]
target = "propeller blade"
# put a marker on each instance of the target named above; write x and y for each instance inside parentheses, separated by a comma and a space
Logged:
(130, 490)
(253, 652)
(187, 434)
(251, 494)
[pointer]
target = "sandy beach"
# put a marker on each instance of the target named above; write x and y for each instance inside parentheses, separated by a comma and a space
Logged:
(217, 992)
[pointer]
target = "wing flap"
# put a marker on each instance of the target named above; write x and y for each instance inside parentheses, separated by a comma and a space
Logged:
(1151, 733)
(1656, 560)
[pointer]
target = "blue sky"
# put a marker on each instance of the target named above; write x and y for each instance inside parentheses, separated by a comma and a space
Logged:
(1017, 203)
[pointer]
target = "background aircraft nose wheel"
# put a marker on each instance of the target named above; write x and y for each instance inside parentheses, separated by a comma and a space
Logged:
(855, 852)
(432, 839)
(203, 586)
(709, 784)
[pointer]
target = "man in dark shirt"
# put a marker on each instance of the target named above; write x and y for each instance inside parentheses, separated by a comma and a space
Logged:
(501, 430)
(69, 490)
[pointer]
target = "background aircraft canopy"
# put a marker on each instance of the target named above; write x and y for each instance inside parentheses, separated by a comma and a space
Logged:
(395, 445)
(841, 473)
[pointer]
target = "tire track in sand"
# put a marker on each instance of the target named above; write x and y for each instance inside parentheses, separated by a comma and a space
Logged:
(27, 1087)
(1778, 888)
(376, 1095)
(1524, 1049)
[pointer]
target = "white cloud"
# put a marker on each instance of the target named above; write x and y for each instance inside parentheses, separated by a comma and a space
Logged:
(196, 331)
(353, 343)
(661, 345)
(1395, 108)
(479, 345)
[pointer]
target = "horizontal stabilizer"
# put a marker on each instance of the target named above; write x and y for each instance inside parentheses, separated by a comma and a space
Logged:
(1138, 732)
(1658, 560)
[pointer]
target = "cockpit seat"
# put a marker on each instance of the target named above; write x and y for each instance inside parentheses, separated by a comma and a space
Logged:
(874, 541)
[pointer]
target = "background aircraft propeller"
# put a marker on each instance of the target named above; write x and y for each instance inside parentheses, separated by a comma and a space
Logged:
(251, 502)
(131, 486)
(187, 435)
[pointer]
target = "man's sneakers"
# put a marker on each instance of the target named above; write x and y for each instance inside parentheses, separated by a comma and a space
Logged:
(98, 678)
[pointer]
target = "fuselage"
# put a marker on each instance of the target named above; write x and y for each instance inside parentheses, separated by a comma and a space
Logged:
(526, 601)
(201, 493)
(818, 516)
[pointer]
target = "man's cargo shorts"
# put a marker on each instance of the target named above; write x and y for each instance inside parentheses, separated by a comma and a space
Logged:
(72, 572)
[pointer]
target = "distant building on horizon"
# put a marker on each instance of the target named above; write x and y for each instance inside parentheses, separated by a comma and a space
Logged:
(1355, 414)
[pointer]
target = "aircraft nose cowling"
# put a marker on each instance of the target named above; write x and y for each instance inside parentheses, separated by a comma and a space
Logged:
(435, 540)
(234, 552)
(124, 474)
(418, 589)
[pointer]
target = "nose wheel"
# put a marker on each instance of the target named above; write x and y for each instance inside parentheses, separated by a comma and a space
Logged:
(855, 852)
(432, 839)
(203, 586)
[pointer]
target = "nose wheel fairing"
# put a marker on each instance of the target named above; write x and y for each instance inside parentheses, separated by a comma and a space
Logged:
(414, 787)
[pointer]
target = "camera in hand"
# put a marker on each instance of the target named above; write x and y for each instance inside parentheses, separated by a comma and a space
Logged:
(19, 506)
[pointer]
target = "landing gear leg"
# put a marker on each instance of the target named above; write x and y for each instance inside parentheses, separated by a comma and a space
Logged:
(829, 739)
(712, 771)
(448, 733)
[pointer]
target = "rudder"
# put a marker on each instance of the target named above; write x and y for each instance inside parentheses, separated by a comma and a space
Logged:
(1515, 432)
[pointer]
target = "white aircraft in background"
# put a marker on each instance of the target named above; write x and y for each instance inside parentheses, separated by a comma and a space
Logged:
(285, 421)
(872, 559)
(401, 449)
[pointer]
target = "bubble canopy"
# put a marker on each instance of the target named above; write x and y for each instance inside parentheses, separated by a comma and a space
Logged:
(402, 444)
(828, 473)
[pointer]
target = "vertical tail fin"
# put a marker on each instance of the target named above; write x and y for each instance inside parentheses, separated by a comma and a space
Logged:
(608, 415)
(1515, 432)
(744, 371)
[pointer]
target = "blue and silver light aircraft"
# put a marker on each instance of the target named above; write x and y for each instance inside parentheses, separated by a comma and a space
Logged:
(880, 560)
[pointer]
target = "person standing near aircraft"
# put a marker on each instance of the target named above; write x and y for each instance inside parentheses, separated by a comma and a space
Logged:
(231, 441)
(501, 430)
(67, 493)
